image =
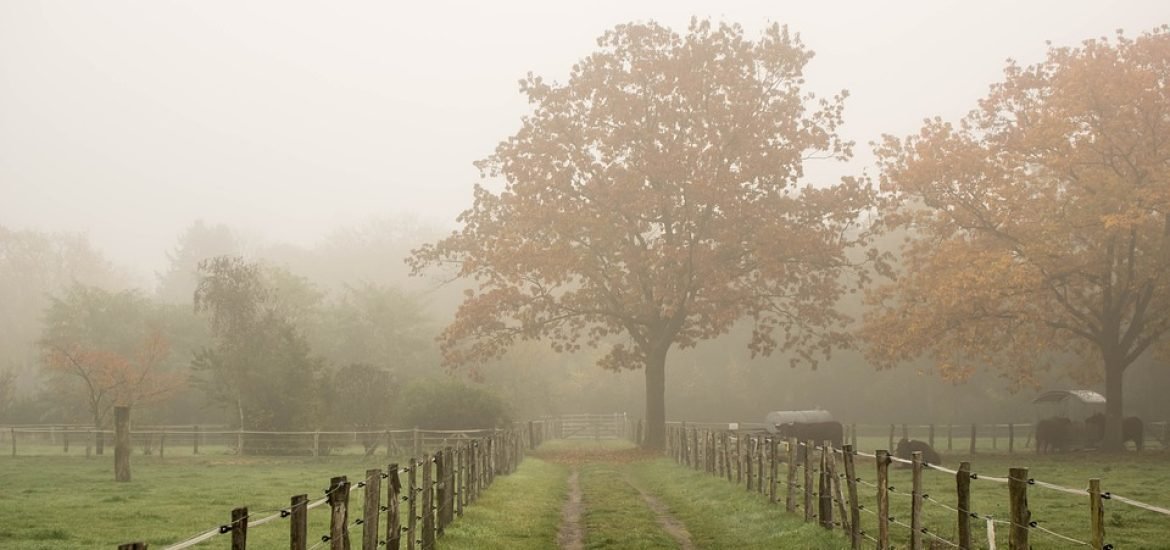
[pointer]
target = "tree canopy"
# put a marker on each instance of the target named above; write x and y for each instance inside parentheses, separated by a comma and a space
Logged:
(653, 201)
(1039, 226)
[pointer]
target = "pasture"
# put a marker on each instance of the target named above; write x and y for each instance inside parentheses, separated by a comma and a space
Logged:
(51, 502)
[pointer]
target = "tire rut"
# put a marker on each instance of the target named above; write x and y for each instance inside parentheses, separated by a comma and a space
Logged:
(670, 524)
(571, 535)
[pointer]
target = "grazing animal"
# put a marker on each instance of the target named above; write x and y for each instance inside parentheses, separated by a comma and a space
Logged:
(817, 432)
(1132, 429)
(906, 449)
(1053, 434)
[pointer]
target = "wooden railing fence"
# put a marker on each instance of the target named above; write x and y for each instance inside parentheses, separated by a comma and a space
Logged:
(829, 492)
(437, 487)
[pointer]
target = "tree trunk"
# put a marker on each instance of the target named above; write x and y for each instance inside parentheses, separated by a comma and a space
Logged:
(99, 439)
(656, 400)
(1113, 408)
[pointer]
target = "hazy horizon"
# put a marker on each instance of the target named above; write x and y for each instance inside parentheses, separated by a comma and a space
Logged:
(128, 121)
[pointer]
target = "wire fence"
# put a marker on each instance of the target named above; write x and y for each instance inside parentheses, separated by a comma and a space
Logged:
(879, 508)
(421, 498)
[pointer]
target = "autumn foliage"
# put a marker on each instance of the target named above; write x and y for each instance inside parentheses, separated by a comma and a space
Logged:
(1038, 225)
(652, 202)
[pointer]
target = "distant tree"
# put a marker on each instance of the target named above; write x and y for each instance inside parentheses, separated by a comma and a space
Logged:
(34, 267)
(7, 391)
(376, 325)
(362, 399)
(1039, 227)
(260, 363)
(449, 404)
(107, 350)
(198, 242)
(652, 201)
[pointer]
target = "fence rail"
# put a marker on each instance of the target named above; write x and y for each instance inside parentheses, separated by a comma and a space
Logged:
(835, 496)
(429, 492)
(196, 440)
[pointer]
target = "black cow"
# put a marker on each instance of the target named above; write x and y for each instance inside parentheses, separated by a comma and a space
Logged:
(1132, 429)
(817, 432)
(1053, 434)
(906, 449)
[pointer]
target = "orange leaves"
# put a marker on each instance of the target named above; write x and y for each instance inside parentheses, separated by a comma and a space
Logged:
(1039, 223)
(652, 198)
(111, 378)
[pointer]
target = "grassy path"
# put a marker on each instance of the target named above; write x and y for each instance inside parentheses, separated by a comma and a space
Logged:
(638, 500)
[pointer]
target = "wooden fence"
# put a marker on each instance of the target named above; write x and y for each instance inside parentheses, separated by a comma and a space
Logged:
(1003, 438)
(823, 483)
(162, 441)
(437, 487)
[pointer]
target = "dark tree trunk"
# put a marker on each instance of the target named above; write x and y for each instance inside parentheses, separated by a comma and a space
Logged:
(656, 400)
(1114, 374)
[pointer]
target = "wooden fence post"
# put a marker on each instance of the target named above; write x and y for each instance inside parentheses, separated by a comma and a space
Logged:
(317, 443)
(298, 525)
(809, 514)
(790, 498)
(195, 440)
(772, 469)
(883, 499)
(972, 451)
(240, 441)
(12, 432)
(65, 437)
(448, 504)
(760, 442)
(835, 483)
(916, 501)
(747, 464)
(963, 489)
(1021, 516)
(441, 489)
(1096, 514)
(473, 471)
(122, 443)
(994, 436)
(371, 510)
(905, 433)
(891, 445)
(428, 512)
(738, 454)
(412, 516)
(854, 509)
(393, 521)
(824, 488)
(461, 478)
(338, 513)
(239, 528)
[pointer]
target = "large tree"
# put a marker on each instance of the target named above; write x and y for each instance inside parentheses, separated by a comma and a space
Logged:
(652, 201)
(106, 349)
(260, 363)
(1040, 225)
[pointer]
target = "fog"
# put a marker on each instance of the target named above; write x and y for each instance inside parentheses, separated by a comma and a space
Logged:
(127, 121)
(332, 139)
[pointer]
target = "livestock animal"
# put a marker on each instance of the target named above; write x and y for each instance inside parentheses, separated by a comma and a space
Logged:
(906, 449)
(817, 432)
(1053, 434)
(1132, 429)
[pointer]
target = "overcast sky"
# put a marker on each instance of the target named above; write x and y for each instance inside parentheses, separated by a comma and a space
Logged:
(128, 120)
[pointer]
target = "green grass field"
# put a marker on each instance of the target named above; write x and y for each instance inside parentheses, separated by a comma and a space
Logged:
(73, 502)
